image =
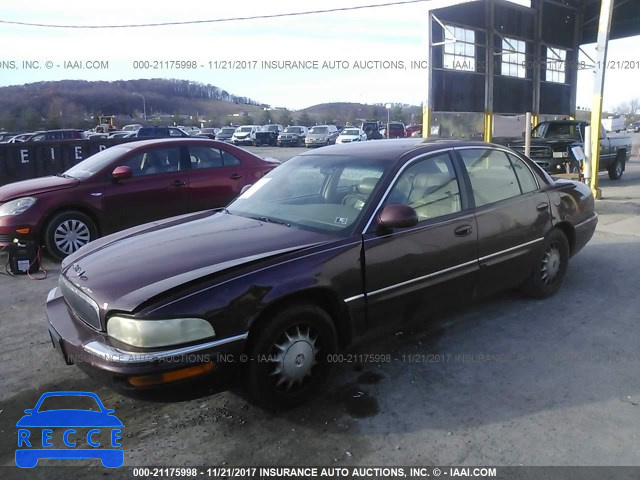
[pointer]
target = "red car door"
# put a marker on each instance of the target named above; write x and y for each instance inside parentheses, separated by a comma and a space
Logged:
(216, 177)
(158, 189)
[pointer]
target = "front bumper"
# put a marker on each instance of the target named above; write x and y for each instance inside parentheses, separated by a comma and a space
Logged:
(95, 352)
(242, 141)
(552, 165)
(316, 142)
(288, 141)
(11, 225)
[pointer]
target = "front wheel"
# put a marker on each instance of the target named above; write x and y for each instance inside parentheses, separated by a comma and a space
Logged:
(67, 232)
(617, 169)
(550, 266)
(290, 356)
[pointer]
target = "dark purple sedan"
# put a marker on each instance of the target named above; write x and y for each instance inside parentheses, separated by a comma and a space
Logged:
(326, 247)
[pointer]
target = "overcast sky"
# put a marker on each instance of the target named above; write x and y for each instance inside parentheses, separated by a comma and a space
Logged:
(387, 33)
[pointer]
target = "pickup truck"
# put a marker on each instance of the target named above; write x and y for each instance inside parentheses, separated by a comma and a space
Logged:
(268, 135)
(552, 141)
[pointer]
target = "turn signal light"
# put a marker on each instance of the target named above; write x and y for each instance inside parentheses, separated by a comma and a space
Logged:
(22, 231)
(181, 374)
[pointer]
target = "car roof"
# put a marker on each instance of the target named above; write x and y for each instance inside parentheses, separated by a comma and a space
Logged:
(392, 149)
(166, 140)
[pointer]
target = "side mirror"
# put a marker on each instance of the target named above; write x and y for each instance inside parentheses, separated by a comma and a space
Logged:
(121, 173)
(397, 216)
(245, 188)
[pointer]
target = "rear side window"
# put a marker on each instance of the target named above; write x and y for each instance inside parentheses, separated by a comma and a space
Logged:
(492, 176)
(525, 177)
(208, 157)
(205, 157)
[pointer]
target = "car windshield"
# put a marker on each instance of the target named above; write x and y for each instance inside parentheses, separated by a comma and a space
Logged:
(96, 162)
(69, 402)
(324, 193)
(395, 126)
(350, 131)
(569, 131)
(292, 130)
(245, 129)
(228, 130)
(269, 128)
(319, 130)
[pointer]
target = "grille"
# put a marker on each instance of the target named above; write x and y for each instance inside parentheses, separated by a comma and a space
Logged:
(82, 306)
(5, 239)
(536, 152)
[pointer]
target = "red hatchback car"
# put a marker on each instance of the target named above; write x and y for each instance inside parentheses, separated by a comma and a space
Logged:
(124, 186)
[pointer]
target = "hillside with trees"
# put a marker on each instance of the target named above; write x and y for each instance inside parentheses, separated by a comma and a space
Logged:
(76, 103)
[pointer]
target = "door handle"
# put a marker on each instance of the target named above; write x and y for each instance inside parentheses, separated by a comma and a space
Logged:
(178, 183)
(542, 207)
(463, 231)
(235, 176)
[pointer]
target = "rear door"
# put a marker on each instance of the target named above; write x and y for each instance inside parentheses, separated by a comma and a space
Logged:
(215, 178)
(413, 271)
(512, 215)
(158, 189)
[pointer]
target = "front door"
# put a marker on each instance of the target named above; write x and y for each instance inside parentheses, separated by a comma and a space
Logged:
(158, 189)
(412, 271)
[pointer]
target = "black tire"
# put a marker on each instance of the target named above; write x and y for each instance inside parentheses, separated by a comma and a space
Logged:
(617, 169)
(550, 266)
(68, 231)
(300, 333)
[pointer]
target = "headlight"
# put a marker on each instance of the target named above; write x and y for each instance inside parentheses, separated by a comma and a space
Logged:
(17, 206)
(158, 333)
(560, 154)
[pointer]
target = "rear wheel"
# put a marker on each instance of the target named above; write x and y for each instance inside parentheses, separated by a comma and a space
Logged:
(67, 232)
(550, 267)
(617, 169)
(290, 356)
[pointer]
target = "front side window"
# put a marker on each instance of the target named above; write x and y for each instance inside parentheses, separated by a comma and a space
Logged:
(461, 53)
(492, 176)
(158, 160)
(430, 187)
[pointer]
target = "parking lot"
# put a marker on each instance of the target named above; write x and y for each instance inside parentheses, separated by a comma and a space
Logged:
(508, 381)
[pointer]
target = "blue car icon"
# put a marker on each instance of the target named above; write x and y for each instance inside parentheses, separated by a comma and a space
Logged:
(36, 439)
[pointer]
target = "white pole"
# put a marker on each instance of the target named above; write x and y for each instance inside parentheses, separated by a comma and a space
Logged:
(587, 154)
(527, 134)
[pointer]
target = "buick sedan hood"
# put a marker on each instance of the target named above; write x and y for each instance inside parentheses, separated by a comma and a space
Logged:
(35, 186)
(125, 269)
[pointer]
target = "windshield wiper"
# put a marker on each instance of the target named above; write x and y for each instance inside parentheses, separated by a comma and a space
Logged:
(272, 220)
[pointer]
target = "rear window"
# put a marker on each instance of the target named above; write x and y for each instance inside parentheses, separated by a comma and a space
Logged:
(151, 132)
(397, 127)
